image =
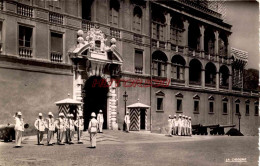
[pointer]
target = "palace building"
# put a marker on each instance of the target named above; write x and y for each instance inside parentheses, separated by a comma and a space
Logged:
(95, 50)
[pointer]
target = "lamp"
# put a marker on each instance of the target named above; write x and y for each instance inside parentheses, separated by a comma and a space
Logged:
(125, 99)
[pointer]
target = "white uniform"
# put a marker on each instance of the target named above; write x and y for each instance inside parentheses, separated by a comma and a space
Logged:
(19, 128)
(92, 128)
(79, 123)
(127, 122)
(61, 126)
(70, 130)
(175, 126)
(190, 127)
(179, 126)
(100, 119)
(40, 126)
(50, 125)
(169, 126)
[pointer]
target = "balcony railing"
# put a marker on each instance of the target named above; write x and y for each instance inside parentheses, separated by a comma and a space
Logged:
(56, 18)
(87, 25)
(154, 43)
(25, 52)
(138, 39)
(139, 70)
(115, 33)
(56, 56)
(24, 10)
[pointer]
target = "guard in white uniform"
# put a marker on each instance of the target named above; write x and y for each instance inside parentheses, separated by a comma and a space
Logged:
(92, 129)
(100, 119)
(40, 126)
(187, 126)
(50, 125)
(127, 121)
(61, 126)
(179, 124)
(174, 125)
(79, 123)
(182, 124)
(19, 128)
(190, 127)
(69, 128)
(170, 126)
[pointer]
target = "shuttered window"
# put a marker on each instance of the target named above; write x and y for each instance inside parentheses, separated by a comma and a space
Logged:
(138, 61)
(56, 42)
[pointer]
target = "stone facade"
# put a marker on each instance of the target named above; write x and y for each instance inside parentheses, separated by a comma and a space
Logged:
(43, 59)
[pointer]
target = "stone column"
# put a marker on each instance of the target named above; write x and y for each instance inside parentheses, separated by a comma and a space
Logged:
(186, 76)
(216, 33)
(202, 30)
(168, 30)
(217, 80)
(228, 47)
(185, 35)
(203, 78)
(113, 107)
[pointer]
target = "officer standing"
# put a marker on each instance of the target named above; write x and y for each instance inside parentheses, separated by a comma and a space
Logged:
(61, 126)
(190, 127)
(50, 125)
(19, 128)
(92, 129)
(127, 121)
(40, 126)
(179, 125)
(79, 123)
(100, 119)
(174, 125)
(170, 126)
(72, 128)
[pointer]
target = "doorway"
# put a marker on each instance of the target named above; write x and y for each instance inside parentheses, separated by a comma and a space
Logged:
(142, 118)
(95, 99)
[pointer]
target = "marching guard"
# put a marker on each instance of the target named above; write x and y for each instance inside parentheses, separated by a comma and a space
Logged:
(40, 126)
(100, 119)
(170, 126)
(92, 129)
(70, 128)
(190, 127)
(179, 124)
(175, 125)
(61, 126)
(50, 125)
(19, 128)
(79, 123)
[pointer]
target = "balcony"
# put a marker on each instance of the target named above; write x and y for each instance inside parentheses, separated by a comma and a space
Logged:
(25, 52)
(139, 70)
(24, 10)
(138, 39)
(115, 33)
(87, 25)
(56, 18)
(56, 56)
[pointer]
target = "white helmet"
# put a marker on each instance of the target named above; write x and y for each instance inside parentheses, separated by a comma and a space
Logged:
(19, 113)
(40, 114)
(50, 113)
(61, 114)
(100, 111)
(93, 114)
(170, 116)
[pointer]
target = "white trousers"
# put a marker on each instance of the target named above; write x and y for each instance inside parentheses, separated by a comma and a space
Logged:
(50, 137)
(100, 126)
(93, 139)
(18, 137)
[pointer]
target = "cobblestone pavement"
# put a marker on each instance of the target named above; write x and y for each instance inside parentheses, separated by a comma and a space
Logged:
(135, 148)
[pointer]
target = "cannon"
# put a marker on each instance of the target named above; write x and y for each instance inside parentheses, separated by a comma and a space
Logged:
(7, 132)
(219, 129)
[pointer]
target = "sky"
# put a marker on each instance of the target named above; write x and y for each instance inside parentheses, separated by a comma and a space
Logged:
(244, 18)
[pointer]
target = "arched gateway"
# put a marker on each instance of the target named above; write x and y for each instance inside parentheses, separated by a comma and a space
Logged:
(95, 66)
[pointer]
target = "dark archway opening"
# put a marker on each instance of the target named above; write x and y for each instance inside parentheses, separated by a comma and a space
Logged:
(95, 99)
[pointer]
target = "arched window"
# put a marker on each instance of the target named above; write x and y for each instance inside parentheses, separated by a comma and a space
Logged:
(209, 41)
(210, 74)
(178, 66)
(194, 36)
(176, 30)
(223, 44)
(223, 76)
(158, 25)
(159, 62)
(195, 72)
(114, 13)
(137, 19)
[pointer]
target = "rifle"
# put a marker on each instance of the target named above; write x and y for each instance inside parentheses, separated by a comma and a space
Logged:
(38, 133)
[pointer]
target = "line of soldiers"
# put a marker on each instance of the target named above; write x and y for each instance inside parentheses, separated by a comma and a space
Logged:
(179, 126)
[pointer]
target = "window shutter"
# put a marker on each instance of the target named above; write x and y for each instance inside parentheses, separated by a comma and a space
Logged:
(139, 59)
(174, 70)
(181, 73)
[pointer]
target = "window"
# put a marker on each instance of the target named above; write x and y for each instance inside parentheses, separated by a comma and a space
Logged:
(114, 10)
(159, 64)
(56, 47)
(237, 108)
(160, 104)
(179, 105)
(224, 108)
(137, 19)
(196, 106)
(211, 107)
(247, 109)
(158, 24)
(256, 110)
(139, 61)
(25, 36)
(56, 42)
(86, 9)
